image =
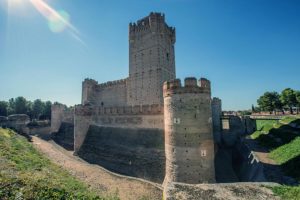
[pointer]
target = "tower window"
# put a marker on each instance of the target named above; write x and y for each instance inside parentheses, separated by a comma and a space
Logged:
(168, 56)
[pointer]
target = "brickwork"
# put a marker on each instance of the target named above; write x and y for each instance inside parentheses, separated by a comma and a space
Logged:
(151, 59)
(189, 145)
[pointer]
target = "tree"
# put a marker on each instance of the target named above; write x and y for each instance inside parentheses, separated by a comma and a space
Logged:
(11, 107)
(297, 93)
(47, 110)
(253, 109)
(288, 98)
(3, 108)
(269, 101)
(21, 105)
(37, 108)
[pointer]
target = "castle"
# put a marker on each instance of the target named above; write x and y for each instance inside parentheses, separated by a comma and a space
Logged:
(152, 101)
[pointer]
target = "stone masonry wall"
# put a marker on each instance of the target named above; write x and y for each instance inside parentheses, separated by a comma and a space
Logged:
(146, 116)
(189, 145)
(137, 152)
(216, 107)
(112, 93)
(59, 114)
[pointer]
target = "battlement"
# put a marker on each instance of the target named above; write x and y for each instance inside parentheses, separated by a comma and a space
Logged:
(90, 81)
(216, 101)
(152, 20)
(111, 83)
(88, 110)
(190, 86)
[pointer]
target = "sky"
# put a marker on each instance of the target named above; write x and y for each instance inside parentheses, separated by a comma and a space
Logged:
(244, 47)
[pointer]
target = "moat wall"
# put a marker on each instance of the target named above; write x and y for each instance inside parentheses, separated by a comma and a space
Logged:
(137, 152)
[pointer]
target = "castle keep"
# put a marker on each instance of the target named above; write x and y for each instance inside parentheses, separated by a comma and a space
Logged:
(149, 125)
(151, 63)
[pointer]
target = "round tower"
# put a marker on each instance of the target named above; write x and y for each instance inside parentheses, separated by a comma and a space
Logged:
(189, 142)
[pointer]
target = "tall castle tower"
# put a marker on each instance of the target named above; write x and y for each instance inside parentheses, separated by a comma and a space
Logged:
(151, 59)
(189, 144)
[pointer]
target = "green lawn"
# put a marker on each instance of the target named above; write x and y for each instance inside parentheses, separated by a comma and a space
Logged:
(26, 174)
(263, 123)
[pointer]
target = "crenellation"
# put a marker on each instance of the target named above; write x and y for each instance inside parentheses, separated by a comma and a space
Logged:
(111, 83)
(85, 110)
(174, 87)
(204, 83)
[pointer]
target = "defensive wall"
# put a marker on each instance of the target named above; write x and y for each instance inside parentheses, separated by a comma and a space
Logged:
(146, 116)
(59, 114)
(111, 93)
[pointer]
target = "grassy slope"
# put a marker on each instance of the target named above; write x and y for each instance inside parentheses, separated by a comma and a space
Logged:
(284, 143)
(26, 174)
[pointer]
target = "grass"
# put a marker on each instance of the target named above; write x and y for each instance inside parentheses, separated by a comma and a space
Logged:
(274, 133)
(263, 127)
(288, 156)
(287, 192)
(261, 123)
(283, 141)
(26, 174)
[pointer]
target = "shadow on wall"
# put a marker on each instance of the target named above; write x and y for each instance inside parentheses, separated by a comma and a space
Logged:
(133, 152)
(65, 136)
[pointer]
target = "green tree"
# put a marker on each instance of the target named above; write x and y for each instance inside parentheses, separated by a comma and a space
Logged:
(3, 108)
(29, 109)
(269, 102)
(37, 108)
(11, 107)
(21, 105)
(297, 93)
(288, 98)
(47, 110)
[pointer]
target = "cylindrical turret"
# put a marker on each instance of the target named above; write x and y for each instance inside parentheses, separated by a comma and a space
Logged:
(188, 132)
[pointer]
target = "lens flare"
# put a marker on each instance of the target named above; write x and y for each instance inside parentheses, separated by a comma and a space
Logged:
(56, 25)
(57, 21)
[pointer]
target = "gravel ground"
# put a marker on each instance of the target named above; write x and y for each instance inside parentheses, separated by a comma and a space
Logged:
(98, 178)
(225, 191)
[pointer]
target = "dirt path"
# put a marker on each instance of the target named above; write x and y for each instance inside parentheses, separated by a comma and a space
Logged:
(96, 177)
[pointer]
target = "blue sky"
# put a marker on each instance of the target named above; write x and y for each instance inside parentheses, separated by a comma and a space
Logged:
(244, 47)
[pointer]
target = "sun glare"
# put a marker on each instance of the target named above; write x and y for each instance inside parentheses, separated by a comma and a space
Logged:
(15, 3)
(58, 21)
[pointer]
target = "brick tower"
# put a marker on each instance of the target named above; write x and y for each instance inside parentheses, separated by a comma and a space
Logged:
(189, 144)
(151, 59)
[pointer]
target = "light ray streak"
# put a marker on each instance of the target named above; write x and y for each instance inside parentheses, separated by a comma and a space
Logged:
(49, 13)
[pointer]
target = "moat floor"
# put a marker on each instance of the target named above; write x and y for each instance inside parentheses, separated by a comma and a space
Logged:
(97, 177)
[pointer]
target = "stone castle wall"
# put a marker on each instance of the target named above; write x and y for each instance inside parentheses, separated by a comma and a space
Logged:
(59, 114)
(112, 93)
(136, 152)
(216, 107)
(146, 116)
